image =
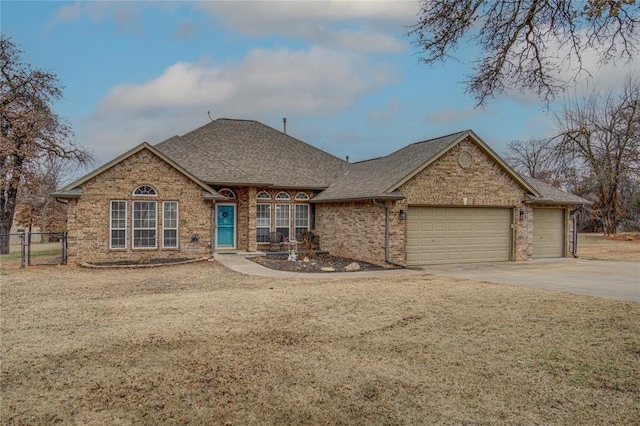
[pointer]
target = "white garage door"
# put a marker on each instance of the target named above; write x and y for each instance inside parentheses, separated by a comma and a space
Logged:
(457, 235)
(548, 233)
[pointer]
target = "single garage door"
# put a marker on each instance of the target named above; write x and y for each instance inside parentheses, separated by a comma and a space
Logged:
(548, 233)
(457, 235)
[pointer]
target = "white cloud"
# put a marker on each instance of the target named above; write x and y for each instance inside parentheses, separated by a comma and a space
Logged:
(365, 26)
(266, 84)
(126, 15)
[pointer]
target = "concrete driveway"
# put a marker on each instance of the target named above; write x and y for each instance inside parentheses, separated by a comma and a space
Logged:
(614, 280)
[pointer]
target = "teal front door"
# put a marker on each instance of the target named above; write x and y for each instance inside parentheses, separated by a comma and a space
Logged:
(226, 225)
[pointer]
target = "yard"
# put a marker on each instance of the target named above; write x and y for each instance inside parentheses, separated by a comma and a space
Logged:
(621, 247)
(202, 345)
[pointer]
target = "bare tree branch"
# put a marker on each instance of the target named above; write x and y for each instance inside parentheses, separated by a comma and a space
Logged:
(527, 45)
(30, 131)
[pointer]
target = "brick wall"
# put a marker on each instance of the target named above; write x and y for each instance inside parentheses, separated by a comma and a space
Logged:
(356, 230)
(482, 183)
(352, 230)
(88, 217)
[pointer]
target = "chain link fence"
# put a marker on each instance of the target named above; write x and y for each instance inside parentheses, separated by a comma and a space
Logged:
(32, 249)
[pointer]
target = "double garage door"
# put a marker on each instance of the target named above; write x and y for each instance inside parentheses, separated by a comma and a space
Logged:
(458, 235)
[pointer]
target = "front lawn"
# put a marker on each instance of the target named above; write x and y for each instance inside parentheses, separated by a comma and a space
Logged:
(623, 247)
(199, 344)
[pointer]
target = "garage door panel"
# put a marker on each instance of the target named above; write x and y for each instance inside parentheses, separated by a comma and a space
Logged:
(452, 235)
(548, 233)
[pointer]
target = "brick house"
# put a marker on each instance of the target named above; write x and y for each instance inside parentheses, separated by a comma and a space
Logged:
(229, 184)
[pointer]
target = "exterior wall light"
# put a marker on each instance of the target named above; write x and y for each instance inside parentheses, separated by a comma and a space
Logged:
(522, 214)
(403, 215)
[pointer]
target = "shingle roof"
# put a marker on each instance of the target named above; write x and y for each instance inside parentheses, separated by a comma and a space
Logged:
(74, 189)
(552, 195)
(228, 151)
(376, 178)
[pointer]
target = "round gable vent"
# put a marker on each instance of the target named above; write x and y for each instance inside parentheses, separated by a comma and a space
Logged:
(464, 159)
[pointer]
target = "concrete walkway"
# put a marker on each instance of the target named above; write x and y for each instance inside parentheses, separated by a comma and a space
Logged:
(614, 280)
(238, 262)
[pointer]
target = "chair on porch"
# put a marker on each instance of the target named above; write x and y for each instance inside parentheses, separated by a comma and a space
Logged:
(276, 240)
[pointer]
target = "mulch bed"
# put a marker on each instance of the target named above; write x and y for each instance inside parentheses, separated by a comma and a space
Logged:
(163, 261)
(281, 263)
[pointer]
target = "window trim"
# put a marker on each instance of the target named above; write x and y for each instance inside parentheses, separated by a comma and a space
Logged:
(283, 196)
(165, 228)
(145, 188)
(263, 195)
(295, 219)
(288, 227)
(263, 227)
(134, 229)
(302, 196)
(226, 192)
(111, 228)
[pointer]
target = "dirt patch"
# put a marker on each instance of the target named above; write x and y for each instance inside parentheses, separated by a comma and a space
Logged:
(319, 263)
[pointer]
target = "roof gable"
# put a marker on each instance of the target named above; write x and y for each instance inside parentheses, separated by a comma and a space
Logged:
(73, 190)
(438, 147)
(382, 177)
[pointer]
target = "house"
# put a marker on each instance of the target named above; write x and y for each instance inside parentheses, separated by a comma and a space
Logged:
(230, 183)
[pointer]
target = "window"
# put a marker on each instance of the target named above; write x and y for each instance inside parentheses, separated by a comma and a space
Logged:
(144, 224)
(118, 224)
(282, 196)
(263, 222)
(283, 219)
(263, 195)
(302, 196)
(145, 190)
(170, 224)
(301, 220)
(227, 193)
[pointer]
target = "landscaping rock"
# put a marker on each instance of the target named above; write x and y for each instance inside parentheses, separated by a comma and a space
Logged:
(315, 264)
(353, 266)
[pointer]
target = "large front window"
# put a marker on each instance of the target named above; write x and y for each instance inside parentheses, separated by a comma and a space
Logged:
(170, 224)
(301, 219)
(283, 219)
(144, 224)
(118, 221)
(263, 222)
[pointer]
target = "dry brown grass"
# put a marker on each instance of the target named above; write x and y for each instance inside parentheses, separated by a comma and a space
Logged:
(199, 344)
(599, 247)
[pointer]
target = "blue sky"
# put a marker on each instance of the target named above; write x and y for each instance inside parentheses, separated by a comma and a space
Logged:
(344, 73)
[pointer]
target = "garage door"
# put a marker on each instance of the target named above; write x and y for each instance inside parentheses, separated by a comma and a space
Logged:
(548, 233)
(457, 235)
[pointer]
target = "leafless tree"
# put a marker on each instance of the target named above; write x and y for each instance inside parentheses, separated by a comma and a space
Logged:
(35, 205)
(538, 158)
(29, 129)
(602, 130)
(595, 152)
(527, 45)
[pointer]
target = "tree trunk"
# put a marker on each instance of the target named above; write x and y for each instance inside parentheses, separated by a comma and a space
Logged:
(7, 209)
(609, 209)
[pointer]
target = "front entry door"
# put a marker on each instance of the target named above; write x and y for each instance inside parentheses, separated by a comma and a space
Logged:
(226, 226)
